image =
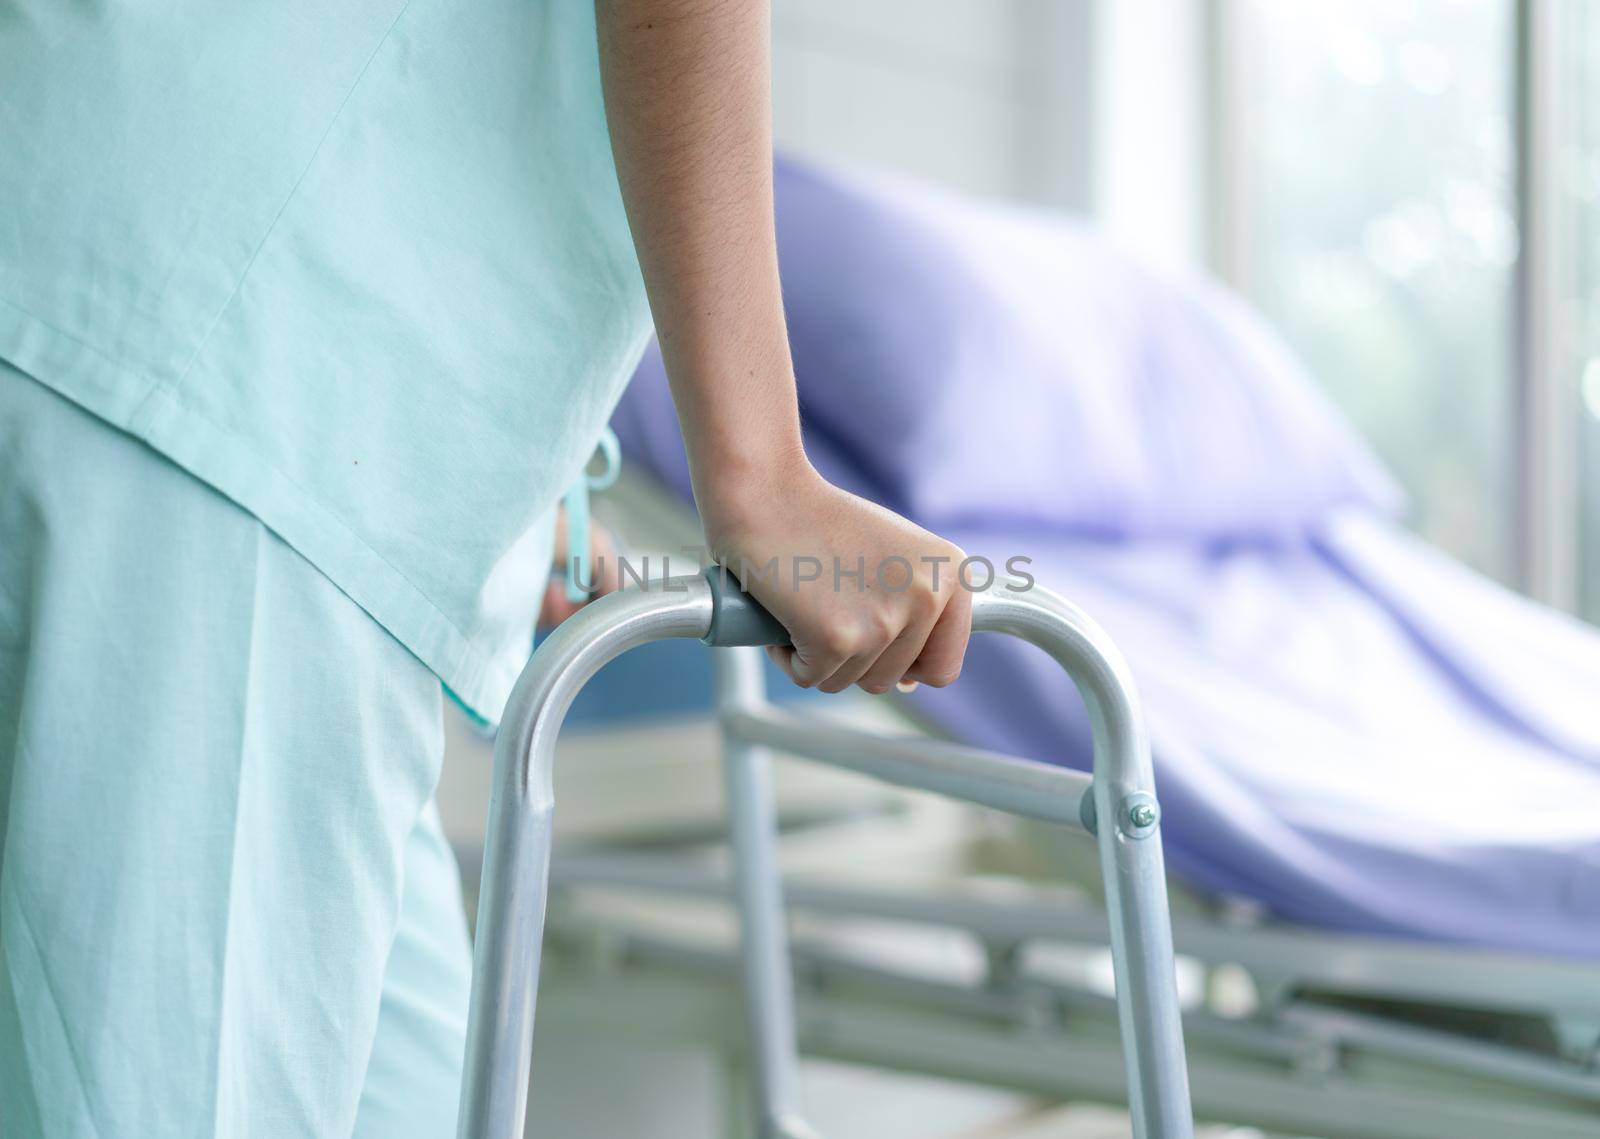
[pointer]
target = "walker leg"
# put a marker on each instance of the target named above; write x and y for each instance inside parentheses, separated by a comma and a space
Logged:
(764, 941)
(516, 857)
(737, 1102)
(1127, 831)
(505, 965)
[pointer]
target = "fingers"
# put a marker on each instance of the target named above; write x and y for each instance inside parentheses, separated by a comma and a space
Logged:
(939, 663)
(842, 648)
(558, 537)
(883, 631)
(811, 664)
(804, 671)
(601, 573)
(849, 672)
(888, 657)
(931, 650)
(556, 607)
(891, 666)
(785, 657)
(911, 627)
(604, 565)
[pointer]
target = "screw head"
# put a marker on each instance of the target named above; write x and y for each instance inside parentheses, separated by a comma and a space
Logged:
(1142, 815)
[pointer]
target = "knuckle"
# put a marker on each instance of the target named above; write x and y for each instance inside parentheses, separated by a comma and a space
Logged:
(841, 640)
(943, 676)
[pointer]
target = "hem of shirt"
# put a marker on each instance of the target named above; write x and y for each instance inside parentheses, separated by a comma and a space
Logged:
(226, 462)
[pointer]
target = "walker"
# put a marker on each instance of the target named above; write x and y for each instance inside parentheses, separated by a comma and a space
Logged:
(1116, 804)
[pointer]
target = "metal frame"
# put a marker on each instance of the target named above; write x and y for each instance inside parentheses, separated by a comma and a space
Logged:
(1297, 957)
(1331, 1050)
(514, 892)
(1545, 403)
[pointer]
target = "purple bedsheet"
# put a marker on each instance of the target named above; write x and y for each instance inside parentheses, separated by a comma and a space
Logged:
(1348, 727)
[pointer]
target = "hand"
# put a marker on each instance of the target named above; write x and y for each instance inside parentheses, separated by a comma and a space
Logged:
(906, 618)
(602, 562)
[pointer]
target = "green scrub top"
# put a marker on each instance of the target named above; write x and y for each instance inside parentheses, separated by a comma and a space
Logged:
(363, 267)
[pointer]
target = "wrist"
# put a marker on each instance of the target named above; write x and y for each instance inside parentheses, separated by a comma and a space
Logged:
(738, 492)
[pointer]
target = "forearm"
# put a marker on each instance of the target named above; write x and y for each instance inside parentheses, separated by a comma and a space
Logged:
(687, 88)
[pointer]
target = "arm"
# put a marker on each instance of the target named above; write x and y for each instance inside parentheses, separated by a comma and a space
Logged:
(687, 88)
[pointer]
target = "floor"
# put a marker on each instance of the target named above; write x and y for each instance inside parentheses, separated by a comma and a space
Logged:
(598, 1090)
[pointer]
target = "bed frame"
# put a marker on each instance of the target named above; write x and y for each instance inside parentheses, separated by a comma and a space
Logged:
(1351, 1037)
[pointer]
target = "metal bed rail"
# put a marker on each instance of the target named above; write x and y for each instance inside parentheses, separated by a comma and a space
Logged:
(1117, 805)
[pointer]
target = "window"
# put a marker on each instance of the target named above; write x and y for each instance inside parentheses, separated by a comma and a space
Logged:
(1581, 185)
(1373, 211)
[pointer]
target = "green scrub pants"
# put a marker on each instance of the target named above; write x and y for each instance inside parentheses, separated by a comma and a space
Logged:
(226, 904)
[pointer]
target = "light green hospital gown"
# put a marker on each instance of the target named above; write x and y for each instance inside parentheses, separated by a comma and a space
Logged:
(222, 865)
(308, 313)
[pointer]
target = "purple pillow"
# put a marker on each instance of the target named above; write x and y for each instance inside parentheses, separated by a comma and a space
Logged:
(963, 362)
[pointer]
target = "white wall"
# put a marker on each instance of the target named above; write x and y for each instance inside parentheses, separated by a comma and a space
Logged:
(1089, 105)
(957, 91)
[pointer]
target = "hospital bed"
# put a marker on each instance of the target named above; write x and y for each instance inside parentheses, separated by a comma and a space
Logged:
(1379, 772)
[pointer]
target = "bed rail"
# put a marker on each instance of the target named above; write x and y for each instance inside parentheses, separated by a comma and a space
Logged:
(1117, 804)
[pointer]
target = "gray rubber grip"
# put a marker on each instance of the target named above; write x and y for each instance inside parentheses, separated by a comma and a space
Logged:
(736, 617)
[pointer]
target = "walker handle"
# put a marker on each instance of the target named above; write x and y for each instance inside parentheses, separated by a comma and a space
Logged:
(736, 617)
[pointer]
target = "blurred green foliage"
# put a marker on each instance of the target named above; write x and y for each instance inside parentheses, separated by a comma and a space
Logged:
(1380, 235)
